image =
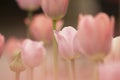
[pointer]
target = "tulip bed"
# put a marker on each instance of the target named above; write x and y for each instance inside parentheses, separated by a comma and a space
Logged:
(53, 52)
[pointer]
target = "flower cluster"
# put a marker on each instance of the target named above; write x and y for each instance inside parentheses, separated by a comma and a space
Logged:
(50, 52)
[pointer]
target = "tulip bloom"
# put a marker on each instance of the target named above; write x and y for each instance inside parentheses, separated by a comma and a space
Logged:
(109, 71)
(114, 54)
(95, 35)
(65, 42)
(56, 9)
(2, 42)
(41, 28)
(32, 52)
(12, 47)
(29, 5)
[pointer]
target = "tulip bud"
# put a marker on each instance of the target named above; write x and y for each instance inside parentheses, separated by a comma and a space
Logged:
(12, 47)
(41, 28)
(2, 42)
(95, 35)
(114, 54)
(29, 5)
(32, 52)
(65, 42)
(56, 9)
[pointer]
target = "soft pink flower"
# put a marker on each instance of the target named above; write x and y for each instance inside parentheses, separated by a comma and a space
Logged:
(29, 5)
(65, 42)
(114, 54)
(41, 28)
(80, 16)
(95, 35)
(32, 52)
(55, 9)
(2, 42)
(109, 71)
(12, 46)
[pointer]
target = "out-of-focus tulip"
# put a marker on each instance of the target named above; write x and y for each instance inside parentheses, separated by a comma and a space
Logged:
(56, 9)
(80, 16)
(41, 28)
(12, 47)
(114, 54)
(32, 52)
(2, 42)
(29, 5)
(65, 42)
(109, 71)
(95, 36)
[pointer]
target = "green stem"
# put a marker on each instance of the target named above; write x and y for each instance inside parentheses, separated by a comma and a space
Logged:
(30, 15)
(74, 69)
(71, 69)
(17, 76)
(96, 73)
(44, 67)
(55, 55)
(54, 24)
(31, 73)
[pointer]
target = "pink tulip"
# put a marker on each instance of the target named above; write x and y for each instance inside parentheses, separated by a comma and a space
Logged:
(2, 42)
(80, 16)
(29, 5)
(114, 54)
(55, 9)
(109, 71)
(12, 47)
(32, 52)
(65, 42)
(41, 28)
(94, 36)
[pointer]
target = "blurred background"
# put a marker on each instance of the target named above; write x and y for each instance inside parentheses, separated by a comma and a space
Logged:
(12, 17)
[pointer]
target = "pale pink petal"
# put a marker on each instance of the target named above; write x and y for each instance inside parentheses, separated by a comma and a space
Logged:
(32, 52)
(55, 9)
(95, 35)
(29, 5)
(65, 42)
(114, 54)
(41, 28)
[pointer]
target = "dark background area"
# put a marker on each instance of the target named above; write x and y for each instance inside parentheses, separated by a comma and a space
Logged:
(111, 7)
(11, 16)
